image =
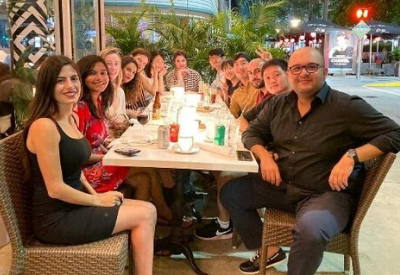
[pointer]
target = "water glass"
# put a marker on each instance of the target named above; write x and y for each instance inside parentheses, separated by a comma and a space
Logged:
(233, 133)
(185, 143)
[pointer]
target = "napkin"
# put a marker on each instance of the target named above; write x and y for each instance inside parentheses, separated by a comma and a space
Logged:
(121, 140)
(134, 140)
(220, 150)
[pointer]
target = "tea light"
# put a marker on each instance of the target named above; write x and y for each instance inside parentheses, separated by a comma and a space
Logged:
(186, 120)
(178, 93)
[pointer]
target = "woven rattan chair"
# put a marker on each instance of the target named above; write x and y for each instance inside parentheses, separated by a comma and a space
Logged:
(278, 225)
(29, 256)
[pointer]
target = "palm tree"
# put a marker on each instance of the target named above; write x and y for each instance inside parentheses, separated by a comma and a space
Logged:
(124, 31)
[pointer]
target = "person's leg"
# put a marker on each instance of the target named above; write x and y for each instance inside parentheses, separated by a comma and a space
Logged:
(140, 218)
(148, 185)
(140, 182)
(166, 177)
(221, 227)
(156, 194)
(243, 196)
(318, 219)
(223, 178)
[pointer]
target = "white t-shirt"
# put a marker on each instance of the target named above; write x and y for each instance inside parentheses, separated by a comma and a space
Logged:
(121, 108)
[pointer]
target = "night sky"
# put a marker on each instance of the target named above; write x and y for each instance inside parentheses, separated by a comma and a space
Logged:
(234, 3)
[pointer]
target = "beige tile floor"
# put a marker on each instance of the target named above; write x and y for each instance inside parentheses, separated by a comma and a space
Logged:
(379, 243)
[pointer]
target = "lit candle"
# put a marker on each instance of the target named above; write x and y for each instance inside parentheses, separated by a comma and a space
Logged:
(178, 93)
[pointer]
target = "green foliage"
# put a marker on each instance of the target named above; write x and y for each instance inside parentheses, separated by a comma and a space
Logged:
(124, 31)
(22, 78)
(300, 9)
(20, 71)
(21, 97)
(396, 54)
(234, 33)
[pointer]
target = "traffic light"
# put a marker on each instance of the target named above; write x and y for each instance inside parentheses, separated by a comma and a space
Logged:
(362, 13)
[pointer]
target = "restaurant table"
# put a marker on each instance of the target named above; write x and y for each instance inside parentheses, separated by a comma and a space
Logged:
(152, 156)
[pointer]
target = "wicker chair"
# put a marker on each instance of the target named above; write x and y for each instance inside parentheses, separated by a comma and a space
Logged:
(31, 257)
(278, 225)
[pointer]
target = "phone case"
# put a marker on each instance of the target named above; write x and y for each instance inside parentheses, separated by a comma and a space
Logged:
(127, 151)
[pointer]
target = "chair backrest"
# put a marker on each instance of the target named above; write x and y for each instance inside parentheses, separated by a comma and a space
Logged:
(376, 171)
(15, 192)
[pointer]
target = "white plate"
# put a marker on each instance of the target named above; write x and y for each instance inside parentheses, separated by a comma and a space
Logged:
(192, 151)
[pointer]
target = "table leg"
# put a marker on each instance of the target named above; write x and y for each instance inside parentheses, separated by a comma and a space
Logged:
(177, 242)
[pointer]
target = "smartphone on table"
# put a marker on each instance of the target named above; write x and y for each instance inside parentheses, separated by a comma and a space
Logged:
(130, 152)
(243, 155)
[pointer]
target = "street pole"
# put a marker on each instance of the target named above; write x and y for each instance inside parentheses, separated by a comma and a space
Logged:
(370, 51)
(360, 49)
(360, 30)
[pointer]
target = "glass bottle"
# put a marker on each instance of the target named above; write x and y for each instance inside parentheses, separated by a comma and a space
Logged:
(157, 107)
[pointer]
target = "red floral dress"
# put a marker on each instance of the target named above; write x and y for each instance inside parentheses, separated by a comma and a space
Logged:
(101, 178)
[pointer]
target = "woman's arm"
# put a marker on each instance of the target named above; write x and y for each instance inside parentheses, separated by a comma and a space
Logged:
(87, 185)
(152, 89)
(94, 158)
(43, 140)
(132, 113)
(161, 85)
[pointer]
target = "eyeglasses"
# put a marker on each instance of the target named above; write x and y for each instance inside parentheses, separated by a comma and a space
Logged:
(310, 68)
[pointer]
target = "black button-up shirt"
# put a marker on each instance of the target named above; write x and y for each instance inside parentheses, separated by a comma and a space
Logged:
(253, 113)
(311, 145)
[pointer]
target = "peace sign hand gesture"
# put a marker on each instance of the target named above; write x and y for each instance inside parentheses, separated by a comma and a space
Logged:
(266, 55)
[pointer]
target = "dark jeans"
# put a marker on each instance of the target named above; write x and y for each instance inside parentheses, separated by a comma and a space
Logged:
(319, 218)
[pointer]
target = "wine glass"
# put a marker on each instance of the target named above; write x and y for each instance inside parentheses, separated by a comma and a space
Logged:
(142, 116)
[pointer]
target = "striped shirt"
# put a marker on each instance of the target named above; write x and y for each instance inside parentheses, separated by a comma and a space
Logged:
(190, 81)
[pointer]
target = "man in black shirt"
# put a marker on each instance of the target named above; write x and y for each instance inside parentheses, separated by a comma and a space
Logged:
(322, 136)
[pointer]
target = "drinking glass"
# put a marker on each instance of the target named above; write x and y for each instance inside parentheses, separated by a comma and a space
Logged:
(142, 116)
(173, 132)
(185, 143)
(213, 95)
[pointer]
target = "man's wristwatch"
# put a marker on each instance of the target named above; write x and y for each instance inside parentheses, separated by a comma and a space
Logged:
(352, 153)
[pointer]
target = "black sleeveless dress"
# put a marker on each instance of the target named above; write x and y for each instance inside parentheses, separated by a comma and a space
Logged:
(58, 222)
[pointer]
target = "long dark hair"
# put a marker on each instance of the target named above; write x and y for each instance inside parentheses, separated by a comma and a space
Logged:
(148, 68)
(44, 103)
(130, 88)
(86, 65)
(227, 63)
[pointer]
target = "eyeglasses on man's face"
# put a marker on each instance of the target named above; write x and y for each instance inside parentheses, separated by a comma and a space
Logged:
(310, 68)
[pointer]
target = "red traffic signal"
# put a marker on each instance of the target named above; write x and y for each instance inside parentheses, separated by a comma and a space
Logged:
(362, 13)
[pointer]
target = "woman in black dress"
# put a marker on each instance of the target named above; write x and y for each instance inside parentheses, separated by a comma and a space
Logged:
(66, 209)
